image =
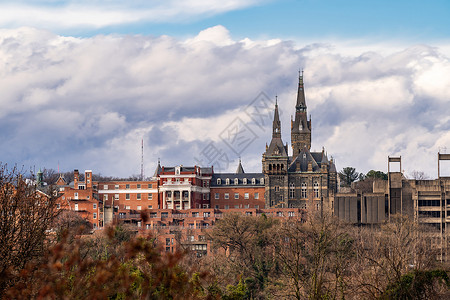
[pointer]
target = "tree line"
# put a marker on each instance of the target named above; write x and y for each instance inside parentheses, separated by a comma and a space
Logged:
(348, 175)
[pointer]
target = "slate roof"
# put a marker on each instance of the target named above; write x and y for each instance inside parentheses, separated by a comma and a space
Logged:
(303, 158)
(240, 177)
(276, 148)
(205, 170)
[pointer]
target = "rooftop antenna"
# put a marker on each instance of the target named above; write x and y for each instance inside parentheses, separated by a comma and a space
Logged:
(142, 159)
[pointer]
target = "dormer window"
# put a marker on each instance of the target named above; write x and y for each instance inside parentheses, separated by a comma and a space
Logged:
(244, 181)
(236, 181)
(261, 181)
(219, 181)
(253, 181)
(227, 181)
(177, 170)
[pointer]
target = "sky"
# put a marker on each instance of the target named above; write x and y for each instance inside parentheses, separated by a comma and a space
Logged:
(84, 83)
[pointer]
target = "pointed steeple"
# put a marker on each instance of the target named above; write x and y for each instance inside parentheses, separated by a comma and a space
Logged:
(300, 127)
(276, 146)
(301, 102)
(158, 169)
(276, 131)
(240, 169)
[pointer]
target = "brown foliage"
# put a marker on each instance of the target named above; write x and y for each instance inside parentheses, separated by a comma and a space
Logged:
(139, 271)
(26, 215)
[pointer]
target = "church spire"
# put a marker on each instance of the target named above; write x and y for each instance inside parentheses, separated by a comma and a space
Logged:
(301, 102)
(300, 127)
(276, 131)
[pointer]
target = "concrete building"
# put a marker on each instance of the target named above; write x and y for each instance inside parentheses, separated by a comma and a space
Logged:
(426, 201)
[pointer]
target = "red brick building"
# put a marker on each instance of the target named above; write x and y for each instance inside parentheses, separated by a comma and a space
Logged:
(237, 190)
(184, 187)
(187, 229)
(171, 188)
(81, 197)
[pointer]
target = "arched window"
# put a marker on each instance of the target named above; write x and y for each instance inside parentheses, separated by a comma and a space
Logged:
(227, 181)
(236, 181)
(253, 181)
(219, 181)
(304, 186)
(244, 181)
(291, 190)
(261, 181)
(316, 189)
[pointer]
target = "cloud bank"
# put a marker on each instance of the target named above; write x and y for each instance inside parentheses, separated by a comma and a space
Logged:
(86, 103)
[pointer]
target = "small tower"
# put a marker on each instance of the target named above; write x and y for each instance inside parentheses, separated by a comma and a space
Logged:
(158, 170)
(275, 166)
(40, 179)
(300, 127)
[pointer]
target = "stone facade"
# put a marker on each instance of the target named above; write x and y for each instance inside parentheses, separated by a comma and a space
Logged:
(306, 179)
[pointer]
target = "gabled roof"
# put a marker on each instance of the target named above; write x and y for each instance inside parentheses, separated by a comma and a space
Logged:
(276, 148)
(61, 180)
(302, 160)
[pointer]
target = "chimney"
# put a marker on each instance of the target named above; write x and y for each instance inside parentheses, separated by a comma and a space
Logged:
(76, 176)
(88, 178)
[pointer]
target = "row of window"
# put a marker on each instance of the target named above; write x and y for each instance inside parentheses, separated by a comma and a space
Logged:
(430, 214)
(429, 202)
(236, 181)
(127, 196)
(237, 206)
(236, 196)
(304, 190)
(204, 183)
(127, 186)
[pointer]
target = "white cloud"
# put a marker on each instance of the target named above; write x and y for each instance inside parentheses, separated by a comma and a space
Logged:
(97, 14)
(88, 102)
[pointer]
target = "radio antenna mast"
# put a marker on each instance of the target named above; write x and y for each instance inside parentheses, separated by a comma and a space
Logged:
(142, 159)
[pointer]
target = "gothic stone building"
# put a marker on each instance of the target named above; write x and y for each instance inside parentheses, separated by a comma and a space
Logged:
(306, 179)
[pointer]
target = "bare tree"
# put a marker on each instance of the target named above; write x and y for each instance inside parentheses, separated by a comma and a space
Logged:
(314, 258)
(388, 253)
(419, 175)
(70, 222)
(250, 253)
(26, 215)
(50, 176)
